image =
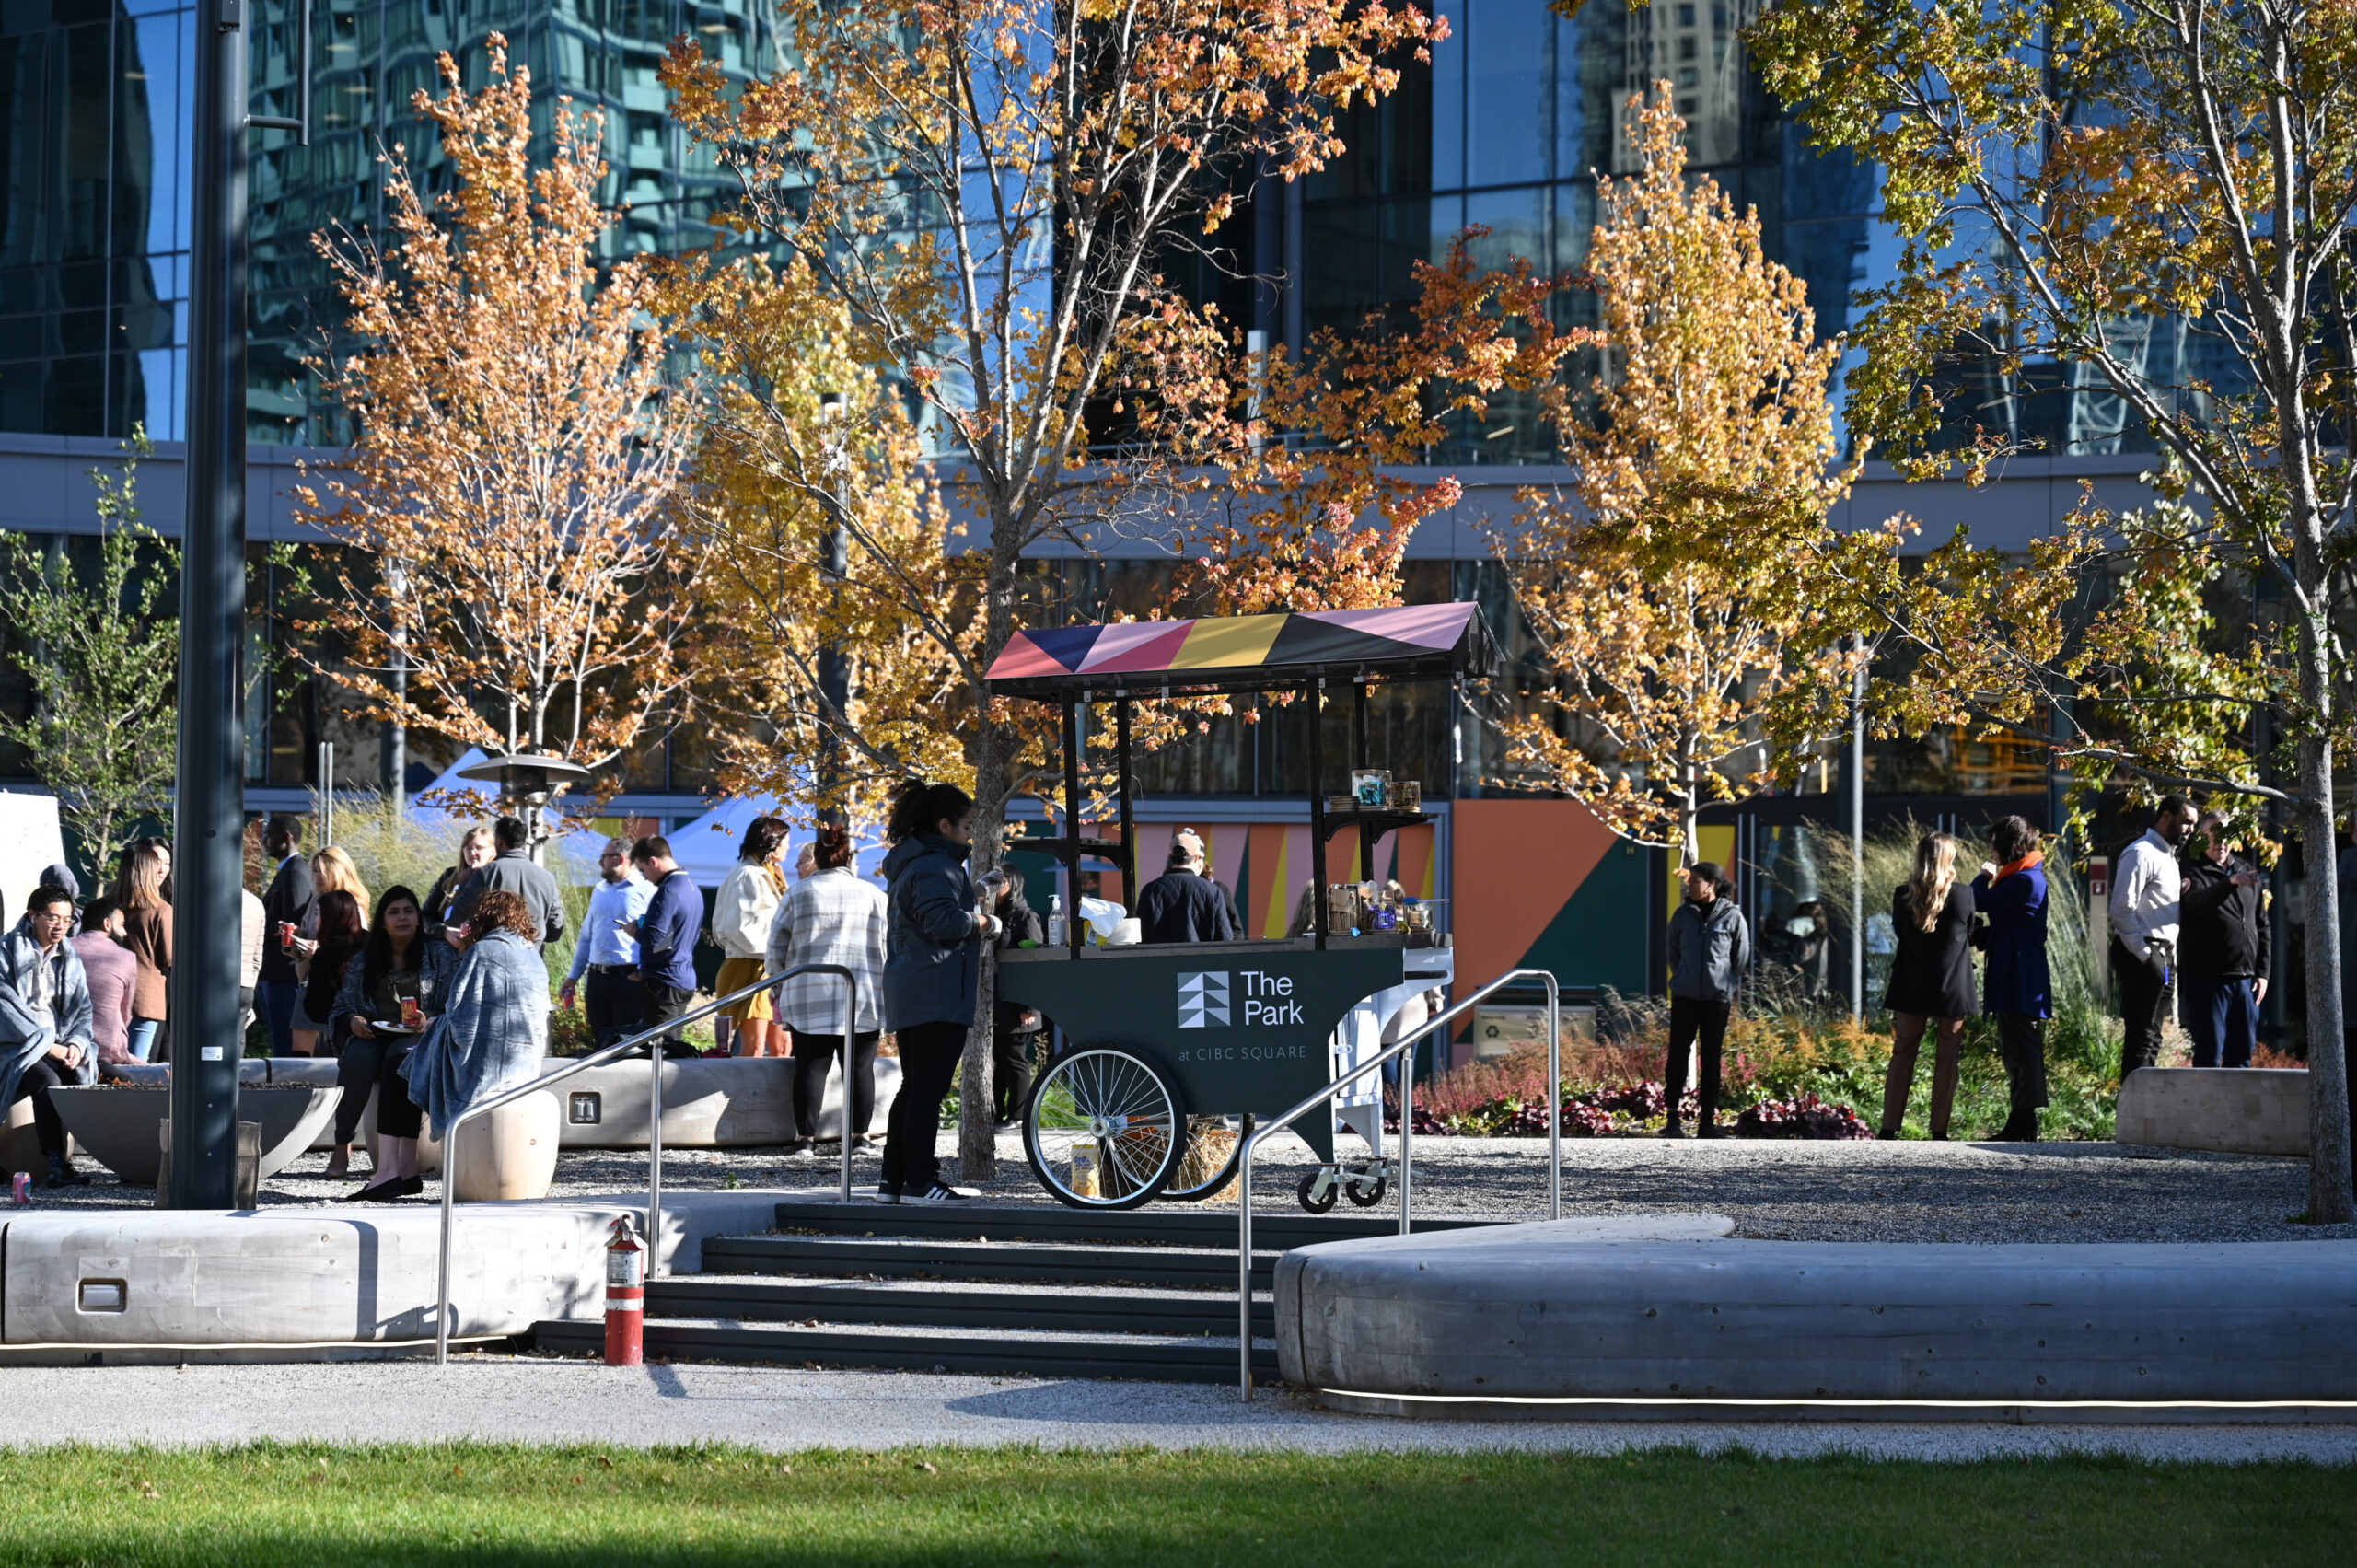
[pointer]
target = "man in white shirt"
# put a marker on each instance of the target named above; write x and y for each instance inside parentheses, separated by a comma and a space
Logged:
(608, 953)
(2146, 888)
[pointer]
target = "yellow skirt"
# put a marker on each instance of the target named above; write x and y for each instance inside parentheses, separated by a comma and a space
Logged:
(738, 973)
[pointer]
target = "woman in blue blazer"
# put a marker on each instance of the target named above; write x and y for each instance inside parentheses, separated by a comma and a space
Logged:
(2016, 989)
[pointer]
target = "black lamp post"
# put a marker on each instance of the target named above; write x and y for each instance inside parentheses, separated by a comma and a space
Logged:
(209, 809)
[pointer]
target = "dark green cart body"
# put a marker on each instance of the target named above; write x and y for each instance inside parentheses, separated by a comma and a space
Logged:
(1243, 1027)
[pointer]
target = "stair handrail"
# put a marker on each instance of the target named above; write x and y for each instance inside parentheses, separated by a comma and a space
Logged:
(598, 1058)
(1512, 979)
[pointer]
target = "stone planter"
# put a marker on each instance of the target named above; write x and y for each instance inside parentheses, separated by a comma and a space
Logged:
(118, 1125)
(2235, 1110)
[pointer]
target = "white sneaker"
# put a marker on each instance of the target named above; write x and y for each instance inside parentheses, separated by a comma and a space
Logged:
(939, 1192)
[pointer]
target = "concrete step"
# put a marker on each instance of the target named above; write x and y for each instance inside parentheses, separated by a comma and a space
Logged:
(1157, 1224)
(844, 1257)
(916, 1303)
(974, 1350)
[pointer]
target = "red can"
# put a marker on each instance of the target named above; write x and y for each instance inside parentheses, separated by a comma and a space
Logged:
(286, 934)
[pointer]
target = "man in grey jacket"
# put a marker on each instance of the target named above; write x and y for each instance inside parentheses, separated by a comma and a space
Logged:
(512, 871)
(1710, 951)
(47, 1034)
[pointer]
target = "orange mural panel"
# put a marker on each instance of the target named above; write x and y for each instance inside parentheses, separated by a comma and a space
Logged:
(1513, 866)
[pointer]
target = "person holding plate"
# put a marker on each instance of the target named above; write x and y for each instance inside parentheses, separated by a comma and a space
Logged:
(383, 1002)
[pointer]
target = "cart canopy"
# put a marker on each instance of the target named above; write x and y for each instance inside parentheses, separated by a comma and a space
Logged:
(1247, 653)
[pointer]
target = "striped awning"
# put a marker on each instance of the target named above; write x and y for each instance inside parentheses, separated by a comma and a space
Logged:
(1245, 652)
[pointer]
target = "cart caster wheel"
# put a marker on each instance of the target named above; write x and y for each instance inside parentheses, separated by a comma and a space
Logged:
(1364, 1193)
(1318, 1193)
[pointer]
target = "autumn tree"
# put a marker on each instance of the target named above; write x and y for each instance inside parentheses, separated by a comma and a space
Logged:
(1668, 593)
(98, 652)
(2064, 174)
(510, 577)
(840, 618)
(989, 189)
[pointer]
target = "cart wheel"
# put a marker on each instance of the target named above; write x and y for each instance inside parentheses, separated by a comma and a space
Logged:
(1115, 1110)
(1213, 1151)
(1313, 1200)
(1364, 1193)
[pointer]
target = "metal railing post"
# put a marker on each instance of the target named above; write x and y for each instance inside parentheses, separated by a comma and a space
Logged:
(844, 1060)
(655, 1161)
(1407, 1148)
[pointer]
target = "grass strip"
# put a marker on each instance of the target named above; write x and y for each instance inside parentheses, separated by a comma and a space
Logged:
(321, 1505)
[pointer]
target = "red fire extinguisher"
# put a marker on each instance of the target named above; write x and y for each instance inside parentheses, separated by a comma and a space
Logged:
(626, 1296)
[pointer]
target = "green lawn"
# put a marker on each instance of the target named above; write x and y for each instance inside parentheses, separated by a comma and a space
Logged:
(318, 1506)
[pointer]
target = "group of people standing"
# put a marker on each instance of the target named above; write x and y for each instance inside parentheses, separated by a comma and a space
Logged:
(2186, 912)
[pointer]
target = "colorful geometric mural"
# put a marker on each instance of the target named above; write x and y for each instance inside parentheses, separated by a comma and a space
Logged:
(1544, 884)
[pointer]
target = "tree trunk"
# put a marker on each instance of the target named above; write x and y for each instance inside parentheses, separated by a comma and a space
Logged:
(2330, 1201)
(977, 1138)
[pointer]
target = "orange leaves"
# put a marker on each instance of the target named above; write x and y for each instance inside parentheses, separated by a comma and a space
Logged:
(505, 507)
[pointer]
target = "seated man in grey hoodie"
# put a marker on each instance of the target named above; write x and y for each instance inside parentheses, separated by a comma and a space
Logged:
(47, 1036)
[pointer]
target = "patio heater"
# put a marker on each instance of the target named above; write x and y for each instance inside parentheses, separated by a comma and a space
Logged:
(531, 780)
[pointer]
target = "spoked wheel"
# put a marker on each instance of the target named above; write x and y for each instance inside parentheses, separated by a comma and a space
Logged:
(1213, 1150)
(1103, 1129)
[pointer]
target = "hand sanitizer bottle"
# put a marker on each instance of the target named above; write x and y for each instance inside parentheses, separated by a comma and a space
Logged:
(1055, 920)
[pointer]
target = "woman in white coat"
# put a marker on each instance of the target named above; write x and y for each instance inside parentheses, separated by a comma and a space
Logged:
(741, 917)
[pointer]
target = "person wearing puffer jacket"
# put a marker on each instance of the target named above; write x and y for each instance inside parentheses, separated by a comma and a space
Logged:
(1709, 950)
(937, 919)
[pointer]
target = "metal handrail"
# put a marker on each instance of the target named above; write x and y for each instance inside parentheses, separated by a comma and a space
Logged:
(1407, 1124)
(598, 1058)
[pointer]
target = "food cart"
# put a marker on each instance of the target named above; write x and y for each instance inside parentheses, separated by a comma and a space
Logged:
(1165, 1046)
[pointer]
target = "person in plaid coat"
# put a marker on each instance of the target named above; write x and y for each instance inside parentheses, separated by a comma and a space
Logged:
(829, 917)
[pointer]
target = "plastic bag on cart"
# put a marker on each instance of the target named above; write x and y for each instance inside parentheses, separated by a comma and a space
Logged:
(1104, 916)
(1367, 1028)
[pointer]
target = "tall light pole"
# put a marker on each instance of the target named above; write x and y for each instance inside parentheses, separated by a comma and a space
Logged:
(209, 805)
(834, 664)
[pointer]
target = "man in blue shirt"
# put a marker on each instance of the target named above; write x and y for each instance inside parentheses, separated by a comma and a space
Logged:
(666, 935)
(616, 998)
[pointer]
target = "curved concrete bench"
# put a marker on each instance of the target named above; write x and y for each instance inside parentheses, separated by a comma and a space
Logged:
(1470, 1322)
(2234, 1110)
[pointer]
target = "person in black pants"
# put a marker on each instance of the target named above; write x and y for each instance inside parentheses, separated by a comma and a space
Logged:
(1015, 1028)
(2016, 987)
(1710, 948)
(937, 919)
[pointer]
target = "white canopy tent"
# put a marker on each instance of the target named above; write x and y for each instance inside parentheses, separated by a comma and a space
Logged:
(707, 848)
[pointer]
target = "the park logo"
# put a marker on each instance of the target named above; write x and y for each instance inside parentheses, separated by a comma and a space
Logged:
(1203, 999)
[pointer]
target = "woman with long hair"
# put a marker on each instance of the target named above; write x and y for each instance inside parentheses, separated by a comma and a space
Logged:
(332, 872)
(147, 932)
(320, 968)
(2017, 989)
(476, 851)
(1931, 981)
(832, 916)
(396, 965)
(741, 917)
(936, 920)
(491, 1033)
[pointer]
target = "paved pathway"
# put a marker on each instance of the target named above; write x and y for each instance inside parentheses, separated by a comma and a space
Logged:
(523, 1398)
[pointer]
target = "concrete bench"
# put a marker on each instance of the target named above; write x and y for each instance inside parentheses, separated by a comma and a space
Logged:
(1562, 1321)
(736, 1102)
(2234, 1110)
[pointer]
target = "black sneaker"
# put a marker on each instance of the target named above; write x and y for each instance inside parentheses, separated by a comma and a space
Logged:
(888, 1192)
(63, 1173)
(939, 1192)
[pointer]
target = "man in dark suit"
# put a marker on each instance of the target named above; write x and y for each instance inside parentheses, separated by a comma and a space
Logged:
(290, 906)
(1182, 904)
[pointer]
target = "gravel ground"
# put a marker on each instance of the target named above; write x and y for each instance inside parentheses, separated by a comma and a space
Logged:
(1798, 1191)
(781, 1408)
